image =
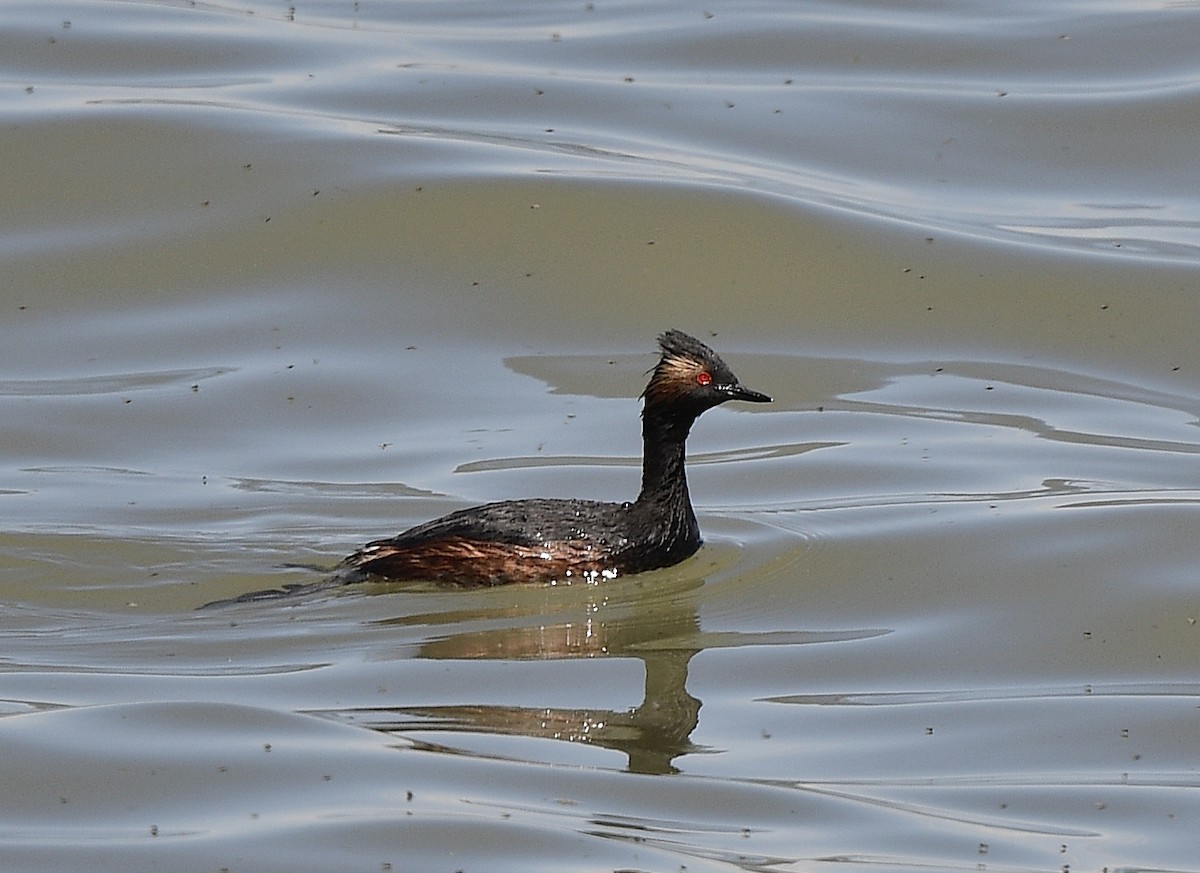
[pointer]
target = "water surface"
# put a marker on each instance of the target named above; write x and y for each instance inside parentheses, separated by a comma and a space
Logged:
(282, 279)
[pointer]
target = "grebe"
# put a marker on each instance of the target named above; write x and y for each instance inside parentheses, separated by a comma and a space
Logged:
(560, 541)
(545, 540)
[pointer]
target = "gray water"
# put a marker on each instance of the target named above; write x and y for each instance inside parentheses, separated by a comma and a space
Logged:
(278, 280)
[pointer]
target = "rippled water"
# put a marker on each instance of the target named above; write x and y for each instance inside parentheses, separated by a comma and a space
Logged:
(282, 279)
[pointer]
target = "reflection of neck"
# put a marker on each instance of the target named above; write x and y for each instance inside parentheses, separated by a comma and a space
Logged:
(667, 715)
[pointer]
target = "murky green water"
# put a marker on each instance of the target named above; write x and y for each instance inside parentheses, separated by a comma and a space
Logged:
(278, 280)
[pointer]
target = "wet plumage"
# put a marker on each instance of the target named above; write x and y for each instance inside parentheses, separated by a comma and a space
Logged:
(555, 540)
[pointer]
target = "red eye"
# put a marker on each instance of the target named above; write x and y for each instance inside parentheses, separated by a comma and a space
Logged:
(704, 378)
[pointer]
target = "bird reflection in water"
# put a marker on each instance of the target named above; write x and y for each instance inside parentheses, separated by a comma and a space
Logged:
(654, 621)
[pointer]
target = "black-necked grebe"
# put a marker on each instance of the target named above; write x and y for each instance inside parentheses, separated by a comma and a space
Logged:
(546, 540)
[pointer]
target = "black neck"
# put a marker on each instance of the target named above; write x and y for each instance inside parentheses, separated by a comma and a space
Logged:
(664, 480)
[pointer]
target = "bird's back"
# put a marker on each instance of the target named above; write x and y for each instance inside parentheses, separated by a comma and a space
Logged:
(513, 540)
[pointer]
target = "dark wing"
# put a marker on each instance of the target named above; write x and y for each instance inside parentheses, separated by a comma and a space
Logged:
(524, 522)
(510, 541)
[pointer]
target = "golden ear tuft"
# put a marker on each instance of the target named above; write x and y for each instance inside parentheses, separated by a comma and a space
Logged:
(677, 373)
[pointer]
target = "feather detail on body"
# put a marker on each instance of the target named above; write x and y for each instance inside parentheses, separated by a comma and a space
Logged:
(549, 540)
